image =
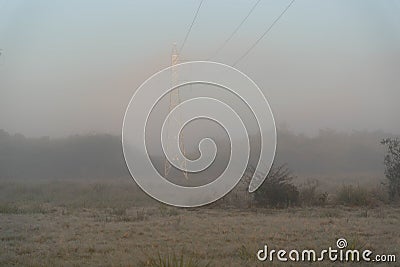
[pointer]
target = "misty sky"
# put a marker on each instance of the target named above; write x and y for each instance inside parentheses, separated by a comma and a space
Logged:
(71, 66)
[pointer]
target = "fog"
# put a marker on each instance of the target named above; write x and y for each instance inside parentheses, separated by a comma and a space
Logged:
(75, 189)
(331, 157)
(71, 67)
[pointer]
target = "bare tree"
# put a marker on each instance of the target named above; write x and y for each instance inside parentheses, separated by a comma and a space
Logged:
(392, 163)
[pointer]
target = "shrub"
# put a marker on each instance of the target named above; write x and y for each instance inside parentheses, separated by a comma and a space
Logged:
(277, 190)
(8, 209)
(358, 196)
(310, 195)
(352, 196)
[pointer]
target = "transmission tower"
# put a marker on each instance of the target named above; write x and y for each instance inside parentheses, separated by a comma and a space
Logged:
(174, 100)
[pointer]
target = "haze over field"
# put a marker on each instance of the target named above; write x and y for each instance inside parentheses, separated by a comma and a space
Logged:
(331, 157)
(71, 67)
(68, 69)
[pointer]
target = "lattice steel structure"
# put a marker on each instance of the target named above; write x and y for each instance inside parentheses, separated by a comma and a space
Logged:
(174, 100)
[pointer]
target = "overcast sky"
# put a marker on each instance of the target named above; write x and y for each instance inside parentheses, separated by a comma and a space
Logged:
(71, 66)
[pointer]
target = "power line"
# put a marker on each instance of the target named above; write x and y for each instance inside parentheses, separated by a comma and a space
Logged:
(265, 33)
(236, 29)
(191, 25)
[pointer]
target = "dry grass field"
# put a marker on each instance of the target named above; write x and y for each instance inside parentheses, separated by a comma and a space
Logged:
(52, 224)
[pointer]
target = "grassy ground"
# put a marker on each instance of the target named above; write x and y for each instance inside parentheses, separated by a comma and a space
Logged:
(43, 226)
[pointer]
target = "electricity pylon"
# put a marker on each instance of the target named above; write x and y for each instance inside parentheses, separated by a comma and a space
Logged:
(174, 100)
